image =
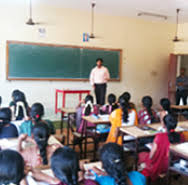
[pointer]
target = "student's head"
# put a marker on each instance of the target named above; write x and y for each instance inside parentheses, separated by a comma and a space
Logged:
(15, 94)
(41, 134)
(99, 62)
(182, 71)
(113, 162)
(65, 165)
(124, 105)
(5, 116)
(170, 122)
(37, 111)
(89, 98)
(111, 99)
(165, 104)
(127, 95)
(147, 102)
(11, 167)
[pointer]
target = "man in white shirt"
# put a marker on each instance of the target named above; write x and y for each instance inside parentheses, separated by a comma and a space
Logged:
(98, 78)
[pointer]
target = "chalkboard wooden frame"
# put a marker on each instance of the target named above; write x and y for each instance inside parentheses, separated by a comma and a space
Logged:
(58, 45)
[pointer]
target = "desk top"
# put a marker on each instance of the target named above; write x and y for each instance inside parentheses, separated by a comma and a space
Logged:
(137, 132)
(180, 149)
(179, 107)
(94, 120)
(68, 110)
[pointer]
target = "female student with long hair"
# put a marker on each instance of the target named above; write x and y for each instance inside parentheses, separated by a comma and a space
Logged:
(113, 162)
(36, 114)
(19, 106)
(147, 115)
(156, 161)
(65, 166)
(40, 152)
(7, 130)
(88, 109)
(123, 116)
(111, 106)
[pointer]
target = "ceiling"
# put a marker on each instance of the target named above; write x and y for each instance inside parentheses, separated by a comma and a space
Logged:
(123, 7)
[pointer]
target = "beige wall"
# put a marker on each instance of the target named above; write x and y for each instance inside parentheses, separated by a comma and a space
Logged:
(146, 47)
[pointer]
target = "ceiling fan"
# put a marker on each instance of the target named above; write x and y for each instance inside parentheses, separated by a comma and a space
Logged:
(30, 20)
(92, 35)
(176, 39)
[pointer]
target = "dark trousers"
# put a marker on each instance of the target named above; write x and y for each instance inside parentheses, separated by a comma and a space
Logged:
(181, 94)
(100, 93)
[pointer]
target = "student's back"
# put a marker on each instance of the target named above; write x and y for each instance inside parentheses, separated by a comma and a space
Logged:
(7, 130)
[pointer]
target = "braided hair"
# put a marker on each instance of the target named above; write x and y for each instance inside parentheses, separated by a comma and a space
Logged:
(41, 135)
(112, 102)
(88, 105)
(112, 157)
(65, 165)
(147, 103)
(171, 123)
(124, 104)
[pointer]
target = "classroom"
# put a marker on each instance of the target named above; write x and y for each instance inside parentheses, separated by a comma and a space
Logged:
(94, 78)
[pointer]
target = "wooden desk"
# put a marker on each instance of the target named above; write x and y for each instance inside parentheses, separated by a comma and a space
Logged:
(177, 152)
(67, 111)
(96, 122)
(137, 133)
(179, 107)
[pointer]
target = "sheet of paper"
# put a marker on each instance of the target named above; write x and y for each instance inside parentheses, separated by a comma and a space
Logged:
(89, 166)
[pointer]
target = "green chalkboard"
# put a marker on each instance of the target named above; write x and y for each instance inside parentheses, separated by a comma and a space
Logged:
(34, 61)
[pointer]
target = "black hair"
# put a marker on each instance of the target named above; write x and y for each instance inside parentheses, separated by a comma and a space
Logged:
(165, 103)
(99, 59)
(88, 107)
(19, 96)
(171, 123)
(112, 101)
(112, 157)
(127, 95)
(5, 117)
(124, 104)
(0, 100)
(11, 167)
(65, 165)
(147, 103)
(37, 111)
(41, 135)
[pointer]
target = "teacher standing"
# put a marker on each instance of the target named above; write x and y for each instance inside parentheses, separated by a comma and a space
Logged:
(99, 77)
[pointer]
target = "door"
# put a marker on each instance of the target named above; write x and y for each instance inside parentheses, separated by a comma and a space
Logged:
(172, 71)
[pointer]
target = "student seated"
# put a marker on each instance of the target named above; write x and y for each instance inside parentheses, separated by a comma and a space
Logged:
(147, 115)
(88, 109)
(11, 168)
(7, 130)
(113, 162)
(40, 152)
(155, 162)
(65, 166)
(111, 106)
(166, 108)
(127, 96)
(19, 106)
(123, 116)
(36, 114)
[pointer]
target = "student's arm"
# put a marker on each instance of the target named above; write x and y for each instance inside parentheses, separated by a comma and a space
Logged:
(20, 140)
(153, 150)
(40, 176)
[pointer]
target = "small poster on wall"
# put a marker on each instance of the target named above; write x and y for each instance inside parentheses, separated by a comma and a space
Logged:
(85, 37)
